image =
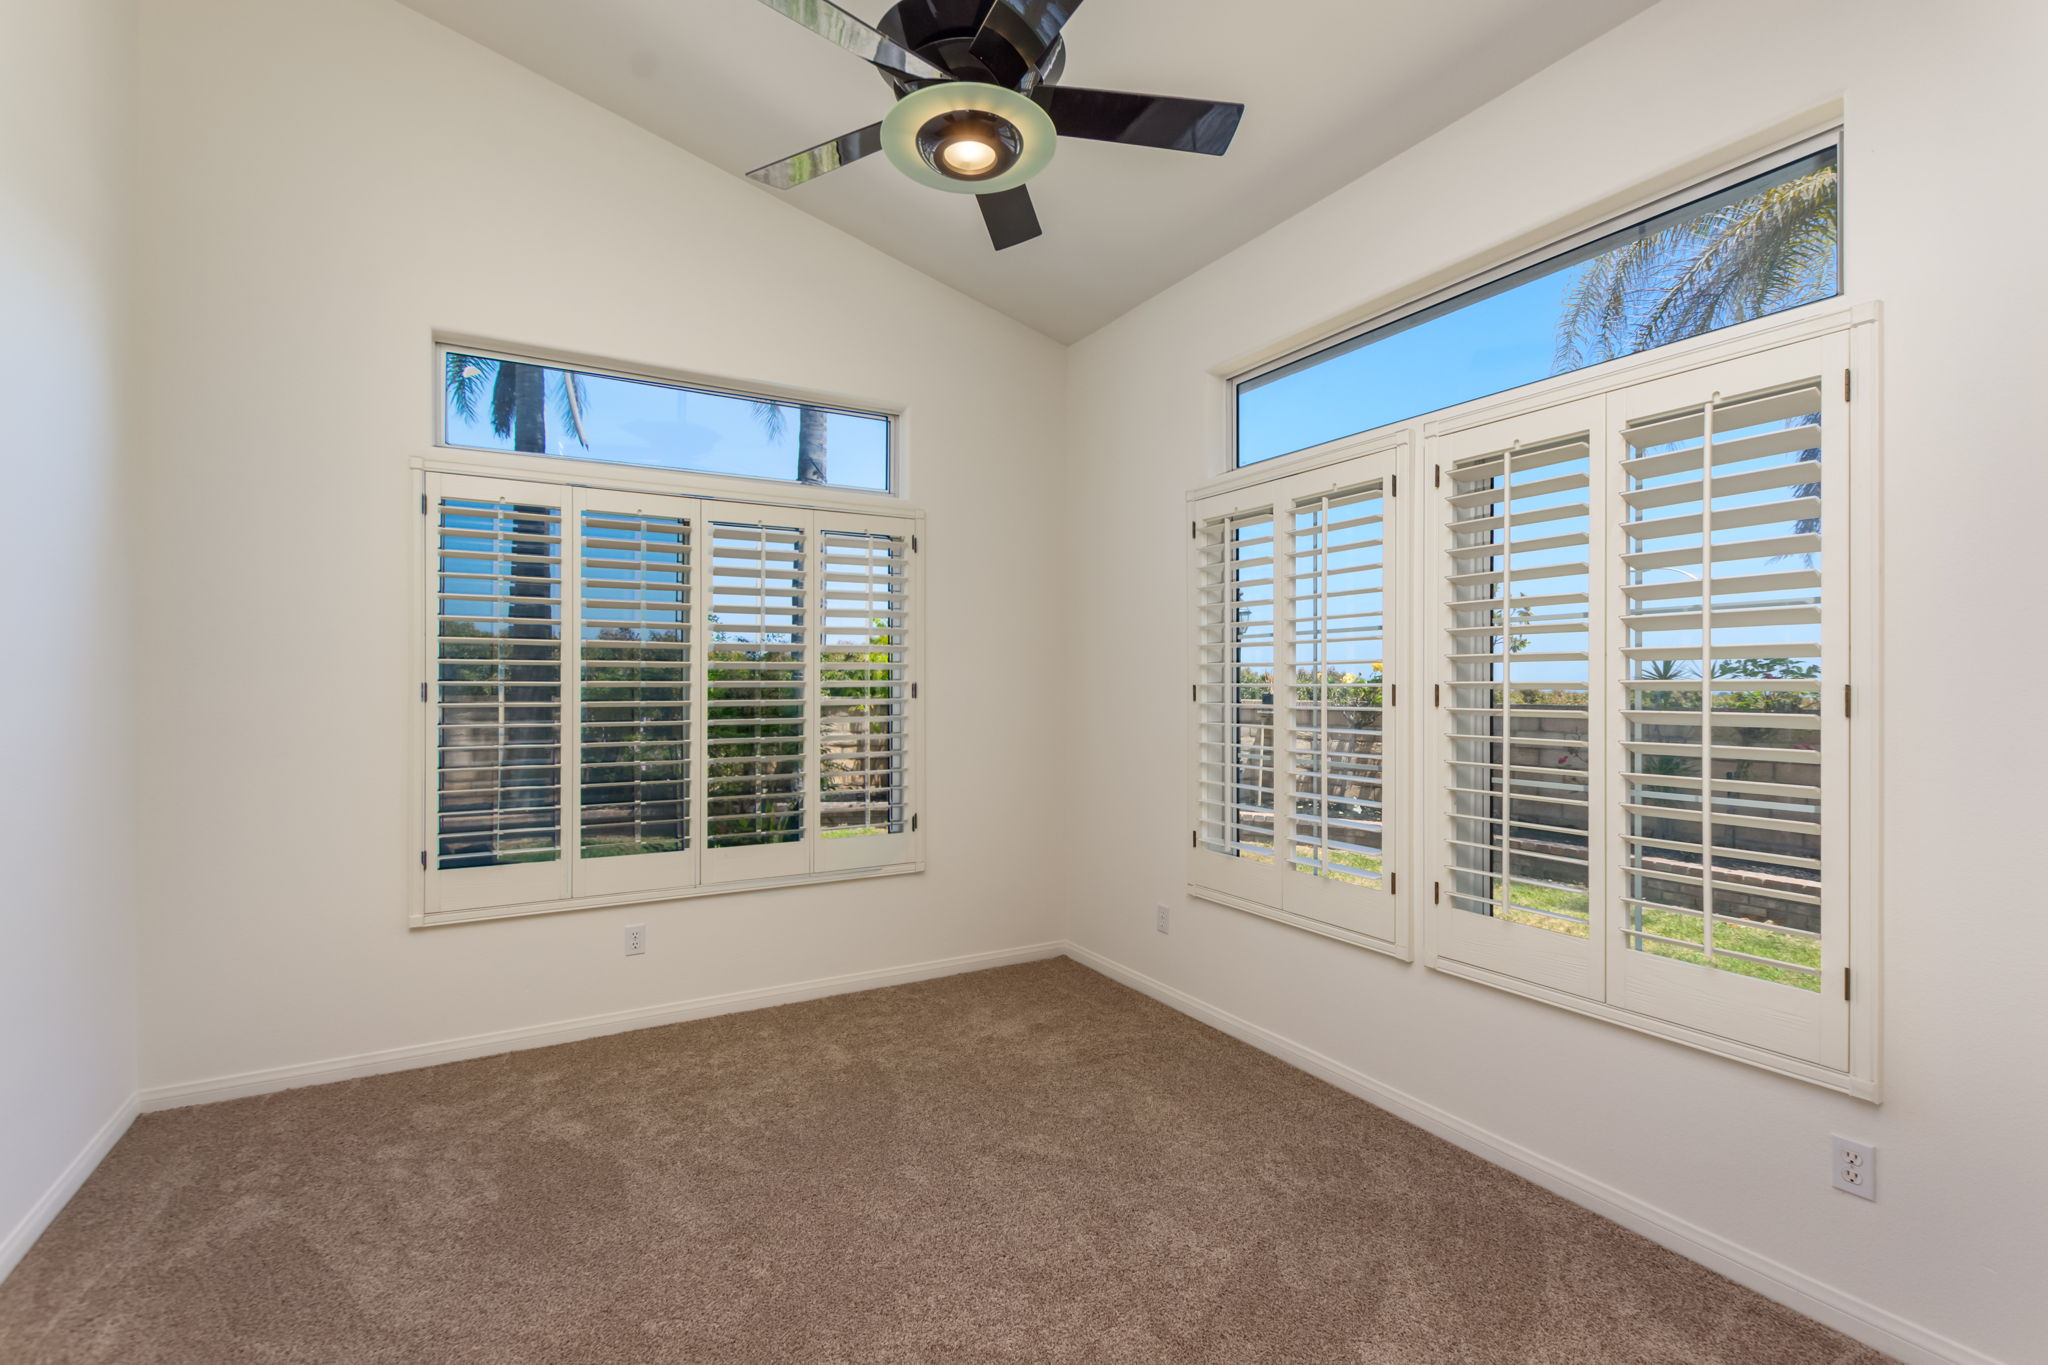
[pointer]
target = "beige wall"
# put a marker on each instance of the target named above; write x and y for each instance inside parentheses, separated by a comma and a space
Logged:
(326, 183)
(1944, 206)
(67, 957)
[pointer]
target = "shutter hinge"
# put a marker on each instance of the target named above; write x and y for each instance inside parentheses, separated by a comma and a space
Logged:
(1393, 694)
(1436, 893)
(1845, 983)
(1194, 530)
(913, 822)
(913, 691)
(423, 691)
(423, 860)
(1436, 694)
(423, 504)
(1394, 486)
(1437, 480)
(1845, 386)
(1194, 838)
(1393, 883)
(913, 545)
(1848, 706)
(1194, 692)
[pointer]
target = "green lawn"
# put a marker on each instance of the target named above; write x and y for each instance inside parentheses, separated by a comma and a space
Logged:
(1737, 935)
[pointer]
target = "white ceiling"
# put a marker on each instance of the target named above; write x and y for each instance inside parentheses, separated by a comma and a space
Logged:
(1332, 89)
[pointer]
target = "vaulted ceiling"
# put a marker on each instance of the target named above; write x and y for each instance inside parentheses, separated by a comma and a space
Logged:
(1332, 88)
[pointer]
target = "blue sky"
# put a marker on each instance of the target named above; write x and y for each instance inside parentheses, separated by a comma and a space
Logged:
(630, 422)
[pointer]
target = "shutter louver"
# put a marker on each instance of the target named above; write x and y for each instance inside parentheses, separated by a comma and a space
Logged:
(1338, 652)
(1234, 686)
(1518, 707)
(1722, 703)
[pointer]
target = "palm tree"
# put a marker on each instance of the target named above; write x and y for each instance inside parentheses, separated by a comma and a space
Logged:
(1742, 260)
(810, 435)
(518, 395)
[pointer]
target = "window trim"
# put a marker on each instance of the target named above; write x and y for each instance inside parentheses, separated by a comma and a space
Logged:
(560, 473)
(1832, 134)
(1414, 790)
(747, 486)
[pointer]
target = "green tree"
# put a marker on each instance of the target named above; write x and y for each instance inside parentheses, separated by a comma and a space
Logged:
(1743, 260)
(518, 396)
(810, 435)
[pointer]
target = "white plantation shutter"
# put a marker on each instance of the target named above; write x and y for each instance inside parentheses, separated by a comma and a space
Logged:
(1236, 744)
(1522, 783)
(1642, 737)
(759, 712)
(865, 646)
(740, 684)
(496, 615)
(636, 713)
(1728, 714)
(1293, 688)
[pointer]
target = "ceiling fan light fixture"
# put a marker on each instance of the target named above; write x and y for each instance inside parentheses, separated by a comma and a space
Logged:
(966, 137)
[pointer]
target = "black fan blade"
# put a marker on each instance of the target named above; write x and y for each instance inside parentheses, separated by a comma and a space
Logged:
(835, 25)
(1178, 125)
(1019, 30)
(813, 162)
(1009, 216)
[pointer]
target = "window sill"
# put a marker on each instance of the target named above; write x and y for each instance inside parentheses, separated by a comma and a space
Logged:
(1392, 949)
(556, 907)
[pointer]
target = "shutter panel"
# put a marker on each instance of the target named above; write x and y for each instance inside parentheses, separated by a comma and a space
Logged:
(636, 722)
(759, 711)
(865, 645)
(1236, 741)
(496, 615)
(1730, 636)
(1522, 884)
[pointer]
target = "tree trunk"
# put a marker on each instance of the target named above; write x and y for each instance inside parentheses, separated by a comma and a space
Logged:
(810, 445)
(529, 408)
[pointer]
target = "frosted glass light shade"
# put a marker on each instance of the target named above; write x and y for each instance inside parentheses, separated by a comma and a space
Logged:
(919, 107)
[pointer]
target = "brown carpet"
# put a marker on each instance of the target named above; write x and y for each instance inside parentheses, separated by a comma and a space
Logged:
(1025, 1165)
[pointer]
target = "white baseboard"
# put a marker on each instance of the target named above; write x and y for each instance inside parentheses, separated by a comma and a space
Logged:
(1866, 1322)
(571, 1030)
(45, 1210)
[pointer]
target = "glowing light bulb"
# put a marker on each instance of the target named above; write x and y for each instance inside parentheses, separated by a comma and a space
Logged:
(967, 156)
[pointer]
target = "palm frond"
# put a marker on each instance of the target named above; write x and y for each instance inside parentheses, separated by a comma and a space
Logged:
(468, 379)
(571, 399)
(774, 418)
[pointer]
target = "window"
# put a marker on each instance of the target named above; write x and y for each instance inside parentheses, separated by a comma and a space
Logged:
(1293, 684)
(1769, 241)
(635, 695)
(495, 402)
(1644, 718)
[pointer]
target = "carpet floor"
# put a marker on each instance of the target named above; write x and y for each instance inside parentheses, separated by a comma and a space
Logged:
(1031, 1164)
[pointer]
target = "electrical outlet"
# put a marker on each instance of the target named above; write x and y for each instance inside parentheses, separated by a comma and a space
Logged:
(1162, 919)
(1855, 1167)
(636, 939)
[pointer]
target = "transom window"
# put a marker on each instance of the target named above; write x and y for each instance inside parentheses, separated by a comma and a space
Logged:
(505, 402)
(1757, 243)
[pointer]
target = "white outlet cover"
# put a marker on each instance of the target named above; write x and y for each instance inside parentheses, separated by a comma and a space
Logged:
(636, 939)
(1853, 1166)
(1162, 919)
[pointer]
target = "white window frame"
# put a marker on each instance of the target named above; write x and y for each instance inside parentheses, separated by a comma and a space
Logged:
(1693, 188)
(708, 496)
(1412, 795)
(664, 478)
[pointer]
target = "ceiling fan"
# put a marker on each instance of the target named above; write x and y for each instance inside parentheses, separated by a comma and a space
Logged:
(979, 107)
